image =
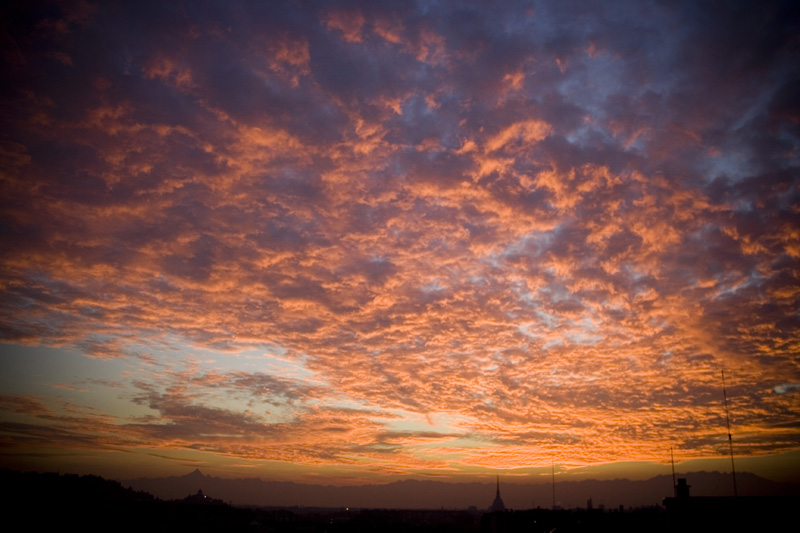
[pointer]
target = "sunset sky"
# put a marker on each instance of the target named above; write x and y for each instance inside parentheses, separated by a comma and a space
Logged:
(366, 241)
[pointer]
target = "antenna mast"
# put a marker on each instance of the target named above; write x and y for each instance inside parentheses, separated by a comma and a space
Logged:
(674, 485)
(554, 485)
(730, 439)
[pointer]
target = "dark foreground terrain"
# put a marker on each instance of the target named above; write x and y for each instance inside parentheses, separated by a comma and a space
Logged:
(90, 503)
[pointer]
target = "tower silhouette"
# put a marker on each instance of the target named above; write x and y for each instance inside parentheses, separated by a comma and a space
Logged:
(497, 504)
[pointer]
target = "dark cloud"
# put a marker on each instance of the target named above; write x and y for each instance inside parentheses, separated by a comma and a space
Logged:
(545, 223)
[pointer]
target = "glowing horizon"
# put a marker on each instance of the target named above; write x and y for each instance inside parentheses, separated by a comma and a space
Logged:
(352, 241)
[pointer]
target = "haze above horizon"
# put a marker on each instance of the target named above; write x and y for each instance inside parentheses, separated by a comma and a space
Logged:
(350, 241)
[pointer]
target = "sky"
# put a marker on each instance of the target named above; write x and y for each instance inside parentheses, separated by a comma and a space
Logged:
(356, 242)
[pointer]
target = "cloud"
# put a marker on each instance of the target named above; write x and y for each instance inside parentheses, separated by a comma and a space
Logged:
(551, 231)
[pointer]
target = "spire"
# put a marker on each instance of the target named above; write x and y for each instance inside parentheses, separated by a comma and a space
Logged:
(498, 504)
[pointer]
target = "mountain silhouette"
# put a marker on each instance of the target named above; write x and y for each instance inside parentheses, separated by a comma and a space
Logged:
(414, 494)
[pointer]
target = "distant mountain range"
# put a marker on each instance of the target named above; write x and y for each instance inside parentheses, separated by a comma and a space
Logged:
(413, 494)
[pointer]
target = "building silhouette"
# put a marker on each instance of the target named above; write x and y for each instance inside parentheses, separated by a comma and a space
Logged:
(497, 504)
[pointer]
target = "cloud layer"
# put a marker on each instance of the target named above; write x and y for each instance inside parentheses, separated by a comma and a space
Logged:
(457, 236)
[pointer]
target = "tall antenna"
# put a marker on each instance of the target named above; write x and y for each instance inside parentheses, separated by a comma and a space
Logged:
(730, 439)
(554, 485)
(674, 485)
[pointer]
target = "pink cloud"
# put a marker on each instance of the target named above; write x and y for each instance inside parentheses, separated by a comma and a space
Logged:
(427, 218)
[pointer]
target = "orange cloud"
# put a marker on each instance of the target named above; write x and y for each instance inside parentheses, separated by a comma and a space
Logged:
(389, 243)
